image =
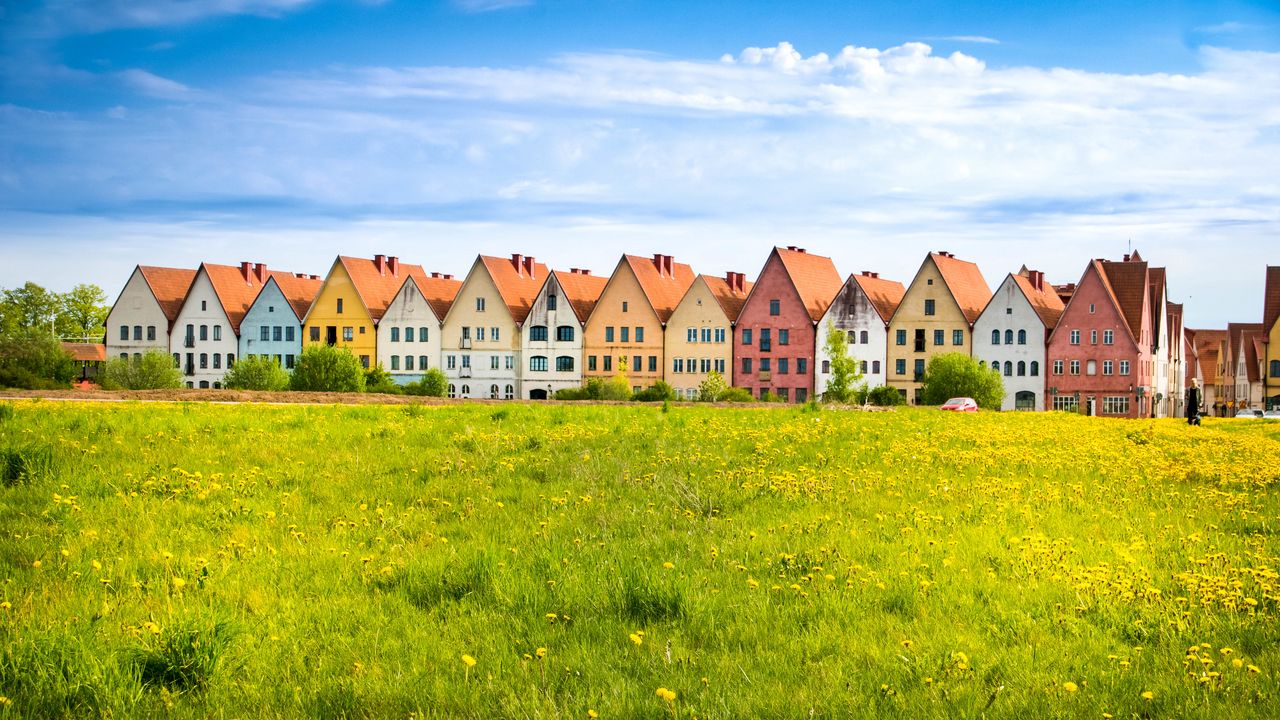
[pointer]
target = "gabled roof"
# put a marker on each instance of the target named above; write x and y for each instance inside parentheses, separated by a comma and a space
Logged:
(439, 292)
(1128, 282)
(236, 290)
(300, 292)
(885, 295)
(731, 300)
(169, 286)
(1257, 353)
(1207, 343)
(1271, 298)
(375, 282)
(1044, 299)
(518, 279)
(965, 283)
(814, 277)
(582, 290)
(86, 352)
(1240, 344)
(1157, 282)
(663, 288)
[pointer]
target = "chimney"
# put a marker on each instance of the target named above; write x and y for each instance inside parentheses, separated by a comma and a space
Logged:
(448, 277)
(1037, 279)
(315, 277)
(300, 276)
(261, 271)
(380, 262)
(435, 275)
(868, 273)
(518, 262)
(394, 263)
(528, 265)
(246, 270)
(658, 263)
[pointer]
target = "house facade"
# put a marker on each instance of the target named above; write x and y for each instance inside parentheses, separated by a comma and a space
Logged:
(554, 332)
(1160, 350)
(355, 294)
(862, 309)
(1011, 337)
(206, 334)
(774, 346)
(409, 330)
(1100, 353)
(625, 333)
(1271, 339)
(272, 327)
(480, 338)
(936, 316)
(143, 315)
(699, 335)
(1177, 382)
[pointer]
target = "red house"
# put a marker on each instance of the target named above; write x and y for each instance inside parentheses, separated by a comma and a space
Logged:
(1100, 358)
(773, 345)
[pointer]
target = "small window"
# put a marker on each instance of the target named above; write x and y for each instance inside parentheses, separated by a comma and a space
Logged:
(289, 361)
(766, 364)
(204, 360)
(746, 336)
(395, 362)
(746, 365)
(264, 333)
(204, 305)
(775, 307)
(509, 392)
(706, 334)
(929, 307)
(1008, 368)
(1008, 337)
(624, 334)
(957, 337)
(691, 335)
(591, 363)
(1022, 368)
(204, 332)
(1093, 337)
(938, 337)
(277, 333)
(217, 361)
(137, 332)
(1075, 337)
(1035, 368)
(151, 332)
(624, 306)
(315, 333)
(395, 334)
(408, 334)
(1108, 337)
(1091, 308)
(784, 336)
(348, 333)
(423, 334)
(802, 366)
(607, 361)
(288, 333)
(339, 306)
(408, 361)
(900, 366)
(493, 334)
(901, 338)
(720, 335)
(608, 334)
(995, 337)
(862, 337)
(875, 367)
(1022, 337)
(1057, 367)
(783, 366)
(551, 303)
(639, 334)
(826, 367)
(479, 334)
(479, 307)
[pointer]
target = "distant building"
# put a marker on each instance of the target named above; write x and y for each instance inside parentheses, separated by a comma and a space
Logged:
(1011, 337)
(87, 358)
(699, 334)
(273, 325)
(862, 309)
(1271, 339)
(554, 332)
(143, 315)
(410, 328)
(352, 301)
(207, 331)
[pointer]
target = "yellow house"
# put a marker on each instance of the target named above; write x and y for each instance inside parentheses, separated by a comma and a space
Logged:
(626, 327)
(1271, 340)
(355, 294)
(699, 335)
(935, 316)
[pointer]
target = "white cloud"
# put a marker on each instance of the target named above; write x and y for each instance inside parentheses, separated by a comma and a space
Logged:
(151, 84)
(979, 39)
(482, 6)
(57, 19)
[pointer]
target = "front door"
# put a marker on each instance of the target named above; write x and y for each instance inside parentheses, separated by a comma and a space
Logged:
(537, 394)
(1024, 400)
(331, 335)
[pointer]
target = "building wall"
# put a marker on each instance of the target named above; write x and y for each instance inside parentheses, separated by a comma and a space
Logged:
(272, 311)
(906, 362)
(854, 313)
(1009, 312)
(797, 382)
(325, 318)
(544, 383)
(623, 305)
(401, 350)
(1271, 388)
(136, 308)
(471, 370)
(701, 317)
(202, 336)
(1160, 356)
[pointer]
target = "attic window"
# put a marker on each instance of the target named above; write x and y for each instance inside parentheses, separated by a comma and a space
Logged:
(551, 302)
(1091, 308)
(339, 306)
(271, 308)
(624, 306)
(1008, 311)
(204, 305)
(929, 282)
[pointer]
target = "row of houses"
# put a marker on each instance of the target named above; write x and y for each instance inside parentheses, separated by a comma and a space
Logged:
(1239, 367)
(1109, 344)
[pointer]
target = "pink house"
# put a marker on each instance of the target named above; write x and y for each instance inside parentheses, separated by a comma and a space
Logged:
(1100, 358)
(773, 345)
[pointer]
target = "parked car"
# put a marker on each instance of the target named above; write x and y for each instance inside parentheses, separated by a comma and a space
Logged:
(1249, 413)
(1271, 414)
(961, 405)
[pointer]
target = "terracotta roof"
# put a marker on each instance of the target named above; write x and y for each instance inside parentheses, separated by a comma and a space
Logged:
(169, 286)
(439, 292)
(966, 284)
(731, 301)
(377, 286)
(235, 289)
(1044, 300)
(1240, 341)
(885, 295)
(300, 292)
(582, 290)
(519, 279)
(1271, 298)
(86, 352)
(1157, 276)
(814, 277)
(1256, 350)
(1129, 283)
(664, 289)
(1207, 343)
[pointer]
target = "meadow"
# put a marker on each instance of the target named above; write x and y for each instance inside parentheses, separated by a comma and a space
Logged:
(191, 560)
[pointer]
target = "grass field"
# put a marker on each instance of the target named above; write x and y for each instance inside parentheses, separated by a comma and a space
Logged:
(187, 560)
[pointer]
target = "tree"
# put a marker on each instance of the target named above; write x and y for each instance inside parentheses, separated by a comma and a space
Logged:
(957, 375)
(884, 396)
(82, 311)
(153, 370)
(660, 390)
(35, 360)
(29, 307)
(256, 372)
(433, 384)
(378, 380)
(712, 388)
(618, 387)
(844, 369)
(324, 368)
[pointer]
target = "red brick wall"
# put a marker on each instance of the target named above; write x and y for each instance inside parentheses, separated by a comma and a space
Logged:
(774, 284)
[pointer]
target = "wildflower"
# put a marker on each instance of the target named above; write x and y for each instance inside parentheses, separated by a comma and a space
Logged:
(551, 617)
(1148, 695)
(668, 565)
(468, 661)
(178, 583)
(1070, 686)
(5, 605)
(36, 564)
(1254, 669)
(636, 638)
(540, 652)
(592, 714)
(906, 644)
(666, 694)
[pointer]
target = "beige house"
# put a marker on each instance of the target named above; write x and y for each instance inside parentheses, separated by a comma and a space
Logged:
(699, 335)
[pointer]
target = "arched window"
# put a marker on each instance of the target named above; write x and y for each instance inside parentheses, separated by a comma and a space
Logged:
(564, 363)
(995, 365)
(538, 333)
(826, 367)
(995, 337)
(1008, 368)
(1035, 368)
(493, 392)
(538, 363)
(466, 391)
(1022, 368)
(875, 367)
(862, 337)
(1008, 337)
(509, 393)
(1022, 337)
(453, 390)
(863, 368)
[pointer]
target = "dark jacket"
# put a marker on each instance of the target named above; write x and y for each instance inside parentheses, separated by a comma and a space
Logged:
(1193, 402)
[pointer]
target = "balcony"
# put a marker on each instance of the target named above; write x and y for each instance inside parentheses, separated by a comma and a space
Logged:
(464, 372)
(465, 343)
(764, 376)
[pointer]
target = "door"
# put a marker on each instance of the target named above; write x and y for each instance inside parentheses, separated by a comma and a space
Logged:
(537, 394)
(1089, 409)
(1024, 400)
(331, 335)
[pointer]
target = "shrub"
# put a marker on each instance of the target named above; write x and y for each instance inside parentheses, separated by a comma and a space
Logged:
(618, 388)
(712, 388)
(884, 396)
(433, 384)
(578, 393)
(957, 375)
(378, 380)
(660, 390)
(153, 370)
(844, 369)
(770, 397)
(184, 659)
(322, 368)
(736, 395)
(34, 360)
(256, 372)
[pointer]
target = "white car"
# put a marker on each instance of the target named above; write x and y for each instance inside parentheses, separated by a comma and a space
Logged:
(1272, 414)
(1249, 413)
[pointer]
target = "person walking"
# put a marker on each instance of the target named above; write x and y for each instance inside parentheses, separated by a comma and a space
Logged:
(1193, 403)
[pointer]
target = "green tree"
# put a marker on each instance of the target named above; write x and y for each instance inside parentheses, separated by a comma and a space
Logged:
(256, 372)
(323, 368)
(30, 307)
(378, 380)
(82, 311)
(712, 388)
(433, 384)
(618, 387)
(957, 375)
(736, 395)
(153, 370)
(884, 396)
(845, 375)
(34, 359)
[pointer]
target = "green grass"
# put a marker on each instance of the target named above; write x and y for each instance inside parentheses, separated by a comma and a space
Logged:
(260, 561)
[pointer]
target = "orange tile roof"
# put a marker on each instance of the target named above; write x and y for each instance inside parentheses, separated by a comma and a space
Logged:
(169, 286)
(582, 290)
(1129, 283)
(1207, 343)
(1044, 300)
(300, 292)
(235, 291)
(814, 277)
(439, 292)
(664, 290)
(86, 352)
(518, 282)
(1255, 352)
(885, 295)
(966, 284)
(1240, 341)
(377, 287)
(731, 301)
(1271, 298)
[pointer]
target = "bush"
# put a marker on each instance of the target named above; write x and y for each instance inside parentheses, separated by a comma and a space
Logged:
(433, 384)
(770, 397)
(153, 370)
(736, 395)
(378, 380)
(256, 372)
(884, 396)
(712, 388)
(618, 388)
(578, 393)
(655, 392)
(322, 368)
(957, 375)
(34, 360)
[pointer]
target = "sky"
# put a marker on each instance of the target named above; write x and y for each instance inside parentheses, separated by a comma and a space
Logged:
(290, 131)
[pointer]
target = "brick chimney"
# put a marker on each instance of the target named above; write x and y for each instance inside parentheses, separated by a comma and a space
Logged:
(1037, 279)
(246, 271)
(528, 265)
(393, 263)
(447, 276)
(380, 262)
(659, 263)
(261, 271)
(518, 262)
(868, 273)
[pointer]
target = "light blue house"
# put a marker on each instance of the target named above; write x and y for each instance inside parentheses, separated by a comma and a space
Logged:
(273, 325)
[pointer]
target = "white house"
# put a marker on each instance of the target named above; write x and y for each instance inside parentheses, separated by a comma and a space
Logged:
(206, 334)
(143, 315)
(551, 341)
(1160, 347)
(1011, 336)
(409, 331)
(861, 309)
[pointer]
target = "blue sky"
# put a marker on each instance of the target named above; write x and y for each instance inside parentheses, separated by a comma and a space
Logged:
(286, 131)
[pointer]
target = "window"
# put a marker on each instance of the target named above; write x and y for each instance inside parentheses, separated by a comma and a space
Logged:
(408, 361)
(204, 332)
(719, 364)
(653, 363)
(137, 332)
(784, 366)
(347, 334)
(1091, 367)
(1066, 403)
(564, 363)
(453, 390)
(288, 333)
(639, 334)
(423, 335)
(466, 391)
(608, 334)
(538, 333)
(493, 334)
(479, 307)
(1075, 337)
(1008, 337)
(479, 334)
(408, 334)
(564, 333)
(217, 361)
(929, 307)
(1275, 368)
(826, 367)
(1022, 368)
(1115, 405)
(1075, 367)
(466, 361)
(995, 365)
(265, 333)
(635, 364)
(1008, 368)
(124, 332)
(277, 332)
(364, 361)
(919, 369)
(995, 337)
(339, 306)
(422, 362)
(720, 335)
(624, 334)
(1093, 337)
(395, 334)
(1124, 367)
(508, 392)
(746, 366)
(624, 306)
(1107, 367)
(677, 365)
(204, 360)
(493, 363)
(862, 337)
(863, 367)
(957, 337)
(151, 332)
(538, 363)
(691, 335)
(900, 366)
(395, 362)
(1035, 368)
(1057, 367)
(1108, 337)
(938, 337)
(706, 334)
(204, 305)
(289, 361)
(775, 307)
(766, 339)
(551, 303)
(746, 336)
(919, 340)
(361, 329)
(1022, 337)
(1091, 308)
(784, 337)
(451, 362)
(608, 363)
(591, 363)
(766, 365)
(875, 367)
(493, 392)
(802, 366)
(902, 337)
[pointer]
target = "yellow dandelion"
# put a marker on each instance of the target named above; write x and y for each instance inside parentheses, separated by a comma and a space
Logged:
(906, 644)
(666, 694)
(5, 605)
(1237, 663)
(592, 714)
(36, 563)
(468, 661)
(540, 652)
(668, 565)
(1148, 695)
(1070, 686)
(636, 638)
(1254, 669)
